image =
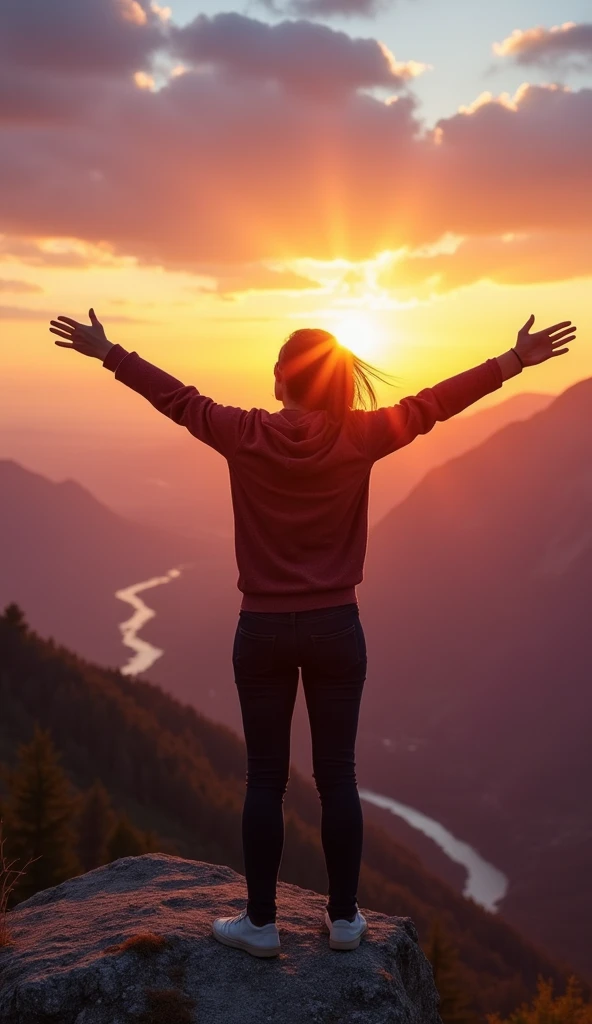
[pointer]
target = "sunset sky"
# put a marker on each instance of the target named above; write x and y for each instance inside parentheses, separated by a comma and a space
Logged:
(414, 176)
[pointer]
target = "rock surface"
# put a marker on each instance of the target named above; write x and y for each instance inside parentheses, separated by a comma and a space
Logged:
(66, 965)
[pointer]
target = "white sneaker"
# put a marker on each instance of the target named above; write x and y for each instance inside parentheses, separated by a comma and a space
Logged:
(346, 934)
(241, 933)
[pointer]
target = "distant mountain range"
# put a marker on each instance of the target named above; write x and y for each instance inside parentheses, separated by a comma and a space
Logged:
(476, 605)
(393, 479)
(171, 481)
(63, 554)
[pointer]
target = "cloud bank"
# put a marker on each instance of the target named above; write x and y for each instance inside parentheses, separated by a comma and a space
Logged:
(299, 56)
(268, 144)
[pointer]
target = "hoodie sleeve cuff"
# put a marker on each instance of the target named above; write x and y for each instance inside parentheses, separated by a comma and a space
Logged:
(114, 356)
(497, 373)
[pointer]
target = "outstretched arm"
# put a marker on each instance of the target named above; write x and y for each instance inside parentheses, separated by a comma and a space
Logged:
(219, 426)
(395, 426)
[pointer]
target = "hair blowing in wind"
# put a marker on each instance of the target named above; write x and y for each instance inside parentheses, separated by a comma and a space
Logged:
(322, 374)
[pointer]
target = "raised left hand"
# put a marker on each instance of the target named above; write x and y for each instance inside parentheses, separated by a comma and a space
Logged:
(89, 341)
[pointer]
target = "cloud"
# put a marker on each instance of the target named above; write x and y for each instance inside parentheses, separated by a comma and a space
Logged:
(507, 260)
(269, 148)
(69, 37)
(547, 46)
(61, 60)
(66, 253)
(229, 281)
(31, 96)
(211, 170)
(22, 313)
(298, 55)
(329, 8)
(18, 287)
(511, 164)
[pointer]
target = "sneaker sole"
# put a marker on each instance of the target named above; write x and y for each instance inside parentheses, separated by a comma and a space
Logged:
(241, 944)
(346, 943)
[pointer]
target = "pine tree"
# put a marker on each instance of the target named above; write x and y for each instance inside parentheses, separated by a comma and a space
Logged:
(95, 824)
(40, 814)
(14, 617)
(454, 1005)
(126, 840)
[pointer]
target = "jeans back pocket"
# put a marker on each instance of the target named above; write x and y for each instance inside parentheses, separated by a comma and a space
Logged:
(252, 653)
(340, 652)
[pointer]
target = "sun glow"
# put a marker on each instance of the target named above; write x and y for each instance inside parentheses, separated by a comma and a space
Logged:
(360, 333)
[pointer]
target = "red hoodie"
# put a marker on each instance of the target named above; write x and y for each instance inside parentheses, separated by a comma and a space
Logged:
(300, 492)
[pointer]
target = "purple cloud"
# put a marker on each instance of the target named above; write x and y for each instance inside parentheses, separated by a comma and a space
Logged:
(85, 37)
(329, 8)
(298, 55)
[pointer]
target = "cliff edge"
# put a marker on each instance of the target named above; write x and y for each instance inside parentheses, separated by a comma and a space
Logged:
(131, 943)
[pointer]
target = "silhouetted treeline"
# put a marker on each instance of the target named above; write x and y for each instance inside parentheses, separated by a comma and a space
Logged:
(547, 1008)
(63, 832)
(126, 769)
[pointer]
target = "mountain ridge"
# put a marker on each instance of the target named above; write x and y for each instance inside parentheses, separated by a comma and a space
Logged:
(495, 551)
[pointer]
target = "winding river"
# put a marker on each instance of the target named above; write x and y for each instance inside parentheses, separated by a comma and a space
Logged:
(145, 654)
(485, 883)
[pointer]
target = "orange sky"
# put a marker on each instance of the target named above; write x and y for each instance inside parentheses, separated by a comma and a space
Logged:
(229, 353)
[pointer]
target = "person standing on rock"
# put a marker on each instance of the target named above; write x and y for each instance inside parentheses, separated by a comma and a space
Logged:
(300, 483)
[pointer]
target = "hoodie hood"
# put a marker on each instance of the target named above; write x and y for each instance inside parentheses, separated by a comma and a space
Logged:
(296, 435)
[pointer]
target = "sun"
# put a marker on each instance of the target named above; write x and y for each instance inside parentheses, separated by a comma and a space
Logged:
(359, 333)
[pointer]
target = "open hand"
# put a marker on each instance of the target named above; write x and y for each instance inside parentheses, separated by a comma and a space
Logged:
(89, 341)
(536, 348)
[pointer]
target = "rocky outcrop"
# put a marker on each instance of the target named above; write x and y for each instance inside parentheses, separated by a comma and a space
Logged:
(131, 943)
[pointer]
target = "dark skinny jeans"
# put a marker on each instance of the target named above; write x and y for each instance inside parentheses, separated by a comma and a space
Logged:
(328, 645)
